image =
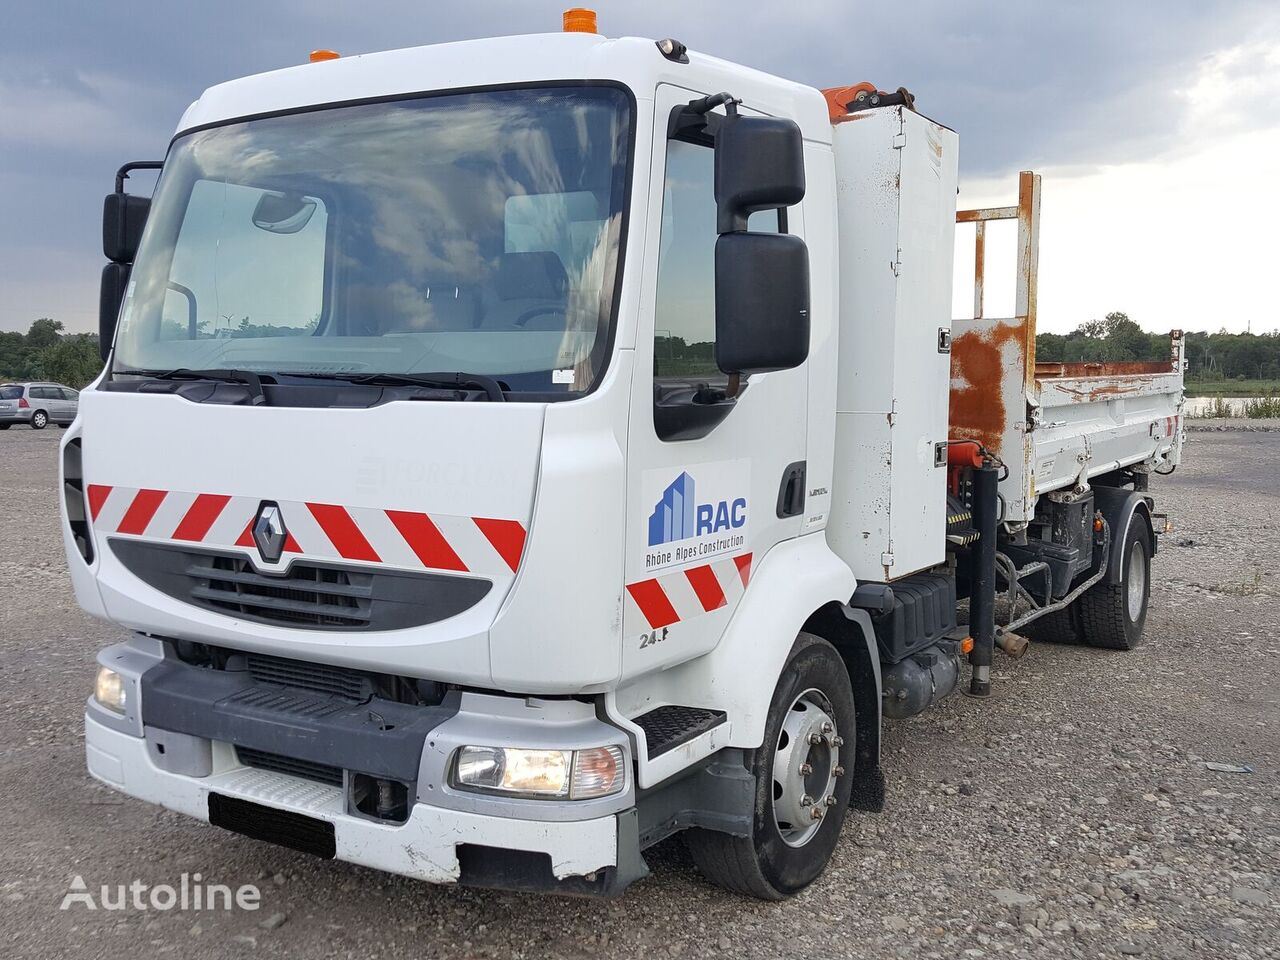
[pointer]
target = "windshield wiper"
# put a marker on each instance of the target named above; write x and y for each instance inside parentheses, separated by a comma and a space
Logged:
(250, 379)
(456, 381)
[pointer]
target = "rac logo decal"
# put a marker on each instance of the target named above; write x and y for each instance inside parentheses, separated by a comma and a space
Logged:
(678, 515)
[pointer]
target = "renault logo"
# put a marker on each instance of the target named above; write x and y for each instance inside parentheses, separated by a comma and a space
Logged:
(269, 532)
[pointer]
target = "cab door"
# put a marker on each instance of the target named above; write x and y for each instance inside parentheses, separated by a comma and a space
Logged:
(712, 483)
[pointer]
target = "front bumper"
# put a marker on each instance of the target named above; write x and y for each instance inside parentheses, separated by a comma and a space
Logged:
(426, 847)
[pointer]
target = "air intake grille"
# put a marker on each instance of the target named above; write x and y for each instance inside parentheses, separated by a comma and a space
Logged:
(263, 760)
(309, 595)
(316, 596)
(316, 677)
(289, 829)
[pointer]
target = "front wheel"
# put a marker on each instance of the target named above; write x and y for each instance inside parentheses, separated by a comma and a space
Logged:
(1113, 615)
(39, 420)
(802, 785)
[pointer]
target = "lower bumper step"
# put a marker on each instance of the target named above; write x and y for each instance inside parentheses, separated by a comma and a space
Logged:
(666, 728)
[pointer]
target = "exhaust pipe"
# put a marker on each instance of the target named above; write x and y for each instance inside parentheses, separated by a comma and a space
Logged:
(1013, 644)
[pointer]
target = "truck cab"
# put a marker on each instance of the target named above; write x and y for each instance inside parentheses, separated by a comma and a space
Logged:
(488, 458)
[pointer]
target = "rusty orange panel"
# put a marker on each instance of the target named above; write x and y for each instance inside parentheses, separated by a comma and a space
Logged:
(1101, 368)
(977, 409)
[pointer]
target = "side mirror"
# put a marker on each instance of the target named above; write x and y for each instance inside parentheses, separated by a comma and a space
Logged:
(115, 280)
(762, 279)
(762, 302)
(123, 217)
(759, 166)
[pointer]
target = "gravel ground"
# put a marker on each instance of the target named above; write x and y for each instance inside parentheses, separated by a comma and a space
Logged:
(1214, 424)
(1072, 815)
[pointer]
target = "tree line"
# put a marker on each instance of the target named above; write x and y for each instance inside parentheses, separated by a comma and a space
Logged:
(45, 352)
(1211, 356)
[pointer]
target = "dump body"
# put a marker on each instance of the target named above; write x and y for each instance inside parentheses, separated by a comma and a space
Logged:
(1054, 425)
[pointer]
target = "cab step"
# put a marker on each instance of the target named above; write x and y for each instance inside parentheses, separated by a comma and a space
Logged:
(666, 728)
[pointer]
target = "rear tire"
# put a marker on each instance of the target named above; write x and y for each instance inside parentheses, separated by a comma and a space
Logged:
(788, 847)
(39, 420)
(1112, 615)
(5, 426)
(1061, 626)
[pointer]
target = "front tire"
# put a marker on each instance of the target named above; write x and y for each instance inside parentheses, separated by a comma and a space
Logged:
(802, 786)
(1112, 616)
(39, 420)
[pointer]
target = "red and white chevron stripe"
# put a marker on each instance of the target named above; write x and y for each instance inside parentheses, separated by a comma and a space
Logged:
(685, 594)
(481, 545)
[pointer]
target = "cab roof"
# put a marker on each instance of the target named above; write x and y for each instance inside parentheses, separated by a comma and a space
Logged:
(499, 61)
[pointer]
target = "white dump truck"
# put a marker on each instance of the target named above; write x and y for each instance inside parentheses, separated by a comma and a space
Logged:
(513, 453)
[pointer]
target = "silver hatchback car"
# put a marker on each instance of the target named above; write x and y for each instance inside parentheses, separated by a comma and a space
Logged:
(37, 404)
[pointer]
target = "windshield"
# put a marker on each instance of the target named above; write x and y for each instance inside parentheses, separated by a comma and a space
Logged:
(472, 232)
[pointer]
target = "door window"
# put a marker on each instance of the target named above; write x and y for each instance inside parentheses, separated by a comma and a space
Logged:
(684, 312)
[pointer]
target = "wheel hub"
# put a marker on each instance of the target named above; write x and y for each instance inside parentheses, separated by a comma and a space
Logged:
(806, 766)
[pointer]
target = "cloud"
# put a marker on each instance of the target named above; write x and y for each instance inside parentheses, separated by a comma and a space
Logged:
(1082, 86)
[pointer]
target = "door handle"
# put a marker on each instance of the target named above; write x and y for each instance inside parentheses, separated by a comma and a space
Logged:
(791, 491)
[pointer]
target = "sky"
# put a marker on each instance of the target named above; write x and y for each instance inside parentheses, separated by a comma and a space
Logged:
(1155, 125)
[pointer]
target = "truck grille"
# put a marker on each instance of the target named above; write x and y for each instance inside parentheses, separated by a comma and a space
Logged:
(315, 596)
(310, 595)
(316, 677)
(263, 760)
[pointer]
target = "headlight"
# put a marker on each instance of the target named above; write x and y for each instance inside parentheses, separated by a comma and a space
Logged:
(575, 774)
(109, 689)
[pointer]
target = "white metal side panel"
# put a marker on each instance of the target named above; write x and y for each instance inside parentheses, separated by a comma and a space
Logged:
(1090, 426)
(896, 179)
(922, 372)
(824, 330)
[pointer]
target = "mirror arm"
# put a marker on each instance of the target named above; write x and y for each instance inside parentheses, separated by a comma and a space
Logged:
(123, 173)
(704, 105)
(733, 387)
(695, 121)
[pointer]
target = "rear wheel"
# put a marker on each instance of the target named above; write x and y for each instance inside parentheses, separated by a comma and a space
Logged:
(1061, 626)
(5, 426)
(1113, 615)
(802, 787)
(39, 420)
